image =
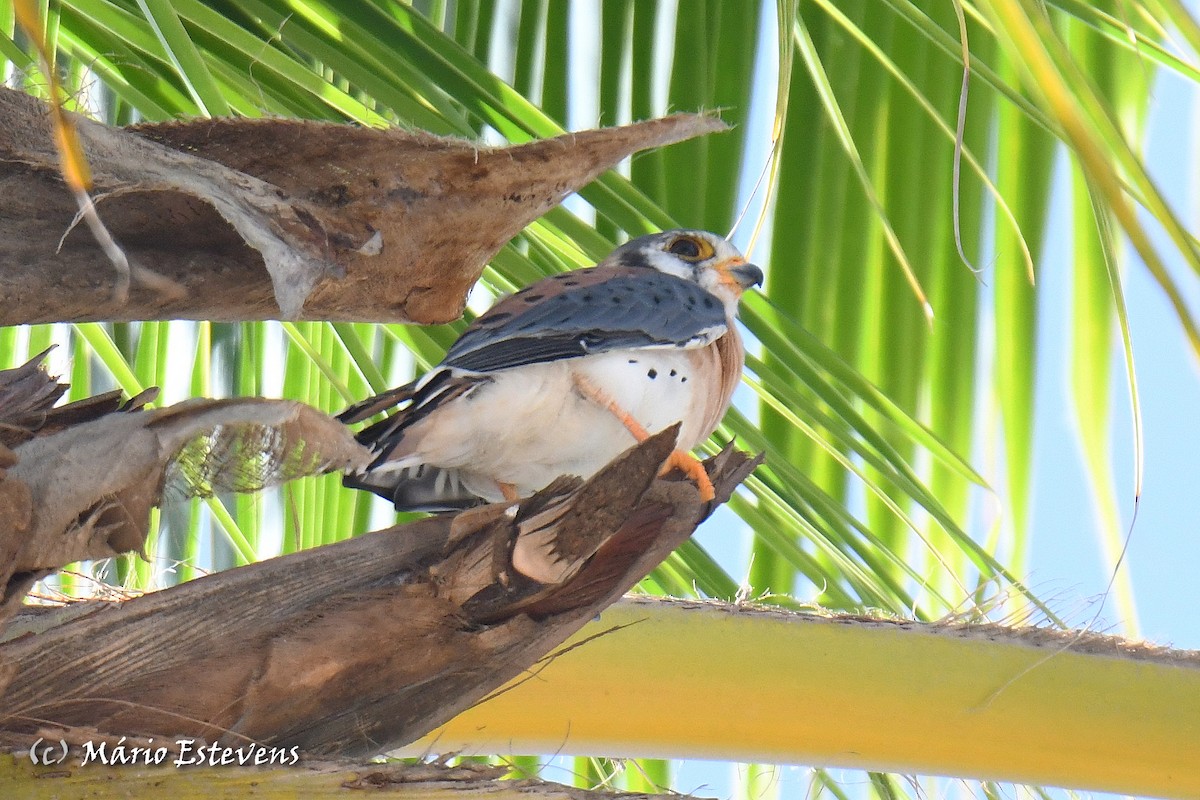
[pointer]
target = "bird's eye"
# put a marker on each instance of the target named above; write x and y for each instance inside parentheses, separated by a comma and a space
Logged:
(686, 248)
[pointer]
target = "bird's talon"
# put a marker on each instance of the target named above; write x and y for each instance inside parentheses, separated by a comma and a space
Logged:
(692, 468)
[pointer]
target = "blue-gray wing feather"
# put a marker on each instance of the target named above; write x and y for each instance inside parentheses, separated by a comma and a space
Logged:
(585, 312)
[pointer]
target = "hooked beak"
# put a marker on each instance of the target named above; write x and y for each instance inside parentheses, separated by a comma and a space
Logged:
(747, 275)
(738, 272)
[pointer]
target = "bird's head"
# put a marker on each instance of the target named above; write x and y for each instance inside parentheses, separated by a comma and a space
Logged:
(698, 256)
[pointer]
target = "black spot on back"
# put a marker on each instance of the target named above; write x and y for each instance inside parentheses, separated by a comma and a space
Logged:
(635, 258)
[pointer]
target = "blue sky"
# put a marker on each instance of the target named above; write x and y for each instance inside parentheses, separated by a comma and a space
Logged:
(1164, 551)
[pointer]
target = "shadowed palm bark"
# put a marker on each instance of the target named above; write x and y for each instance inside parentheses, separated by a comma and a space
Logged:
(77, 482)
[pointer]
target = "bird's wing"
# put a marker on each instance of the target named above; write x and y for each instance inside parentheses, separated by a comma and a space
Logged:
(589, 311)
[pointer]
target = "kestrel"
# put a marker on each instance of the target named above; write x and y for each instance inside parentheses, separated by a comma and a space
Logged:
(565, 375)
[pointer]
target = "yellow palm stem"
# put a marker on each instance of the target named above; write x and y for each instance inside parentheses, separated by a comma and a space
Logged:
(680, 680)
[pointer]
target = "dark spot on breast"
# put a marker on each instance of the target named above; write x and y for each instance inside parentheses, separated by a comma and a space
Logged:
(532, 297)
(616, 301)
(683, 379)
(652, 374)
(497, 317)
(673, 373)
(633, 361)
(657, 299)
(709, 302)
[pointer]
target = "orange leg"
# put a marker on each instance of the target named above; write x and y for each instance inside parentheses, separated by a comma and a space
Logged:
(509, 491)
(683, 461)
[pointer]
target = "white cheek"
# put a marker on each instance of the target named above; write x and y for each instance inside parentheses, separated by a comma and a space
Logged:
(711, 281)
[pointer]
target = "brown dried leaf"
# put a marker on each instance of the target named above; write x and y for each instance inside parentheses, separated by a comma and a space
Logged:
(91, 486)
(16, 513)
(27, 398)
(259, 219)
(249, 444)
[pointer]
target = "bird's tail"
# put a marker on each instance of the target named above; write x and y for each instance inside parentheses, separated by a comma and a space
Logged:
(392, 474)
(418, 488)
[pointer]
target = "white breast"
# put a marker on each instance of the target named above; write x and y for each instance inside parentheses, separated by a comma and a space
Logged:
(659, 388)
